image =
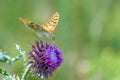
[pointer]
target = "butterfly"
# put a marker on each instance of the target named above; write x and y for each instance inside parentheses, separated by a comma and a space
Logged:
(45, 29)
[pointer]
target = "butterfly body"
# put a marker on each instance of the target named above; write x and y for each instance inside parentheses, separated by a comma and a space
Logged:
(45, 29)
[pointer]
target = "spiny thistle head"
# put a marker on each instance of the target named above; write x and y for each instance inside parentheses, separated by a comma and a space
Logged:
(45, 59)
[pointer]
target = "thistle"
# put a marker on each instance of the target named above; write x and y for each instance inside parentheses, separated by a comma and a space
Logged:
(44, 59)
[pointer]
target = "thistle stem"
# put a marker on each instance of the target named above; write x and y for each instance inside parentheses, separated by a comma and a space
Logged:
(4, 72)
(25, 72)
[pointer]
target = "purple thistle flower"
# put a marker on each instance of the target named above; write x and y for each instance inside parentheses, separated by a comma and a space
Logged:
(45, 59)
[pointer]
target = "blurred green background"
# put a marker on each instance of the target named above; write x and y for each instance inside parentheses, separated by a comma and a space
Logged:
(88, 32)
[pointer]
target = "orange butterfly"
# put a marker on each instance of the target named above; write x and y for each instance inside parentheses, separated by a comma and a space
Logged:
(48, 27)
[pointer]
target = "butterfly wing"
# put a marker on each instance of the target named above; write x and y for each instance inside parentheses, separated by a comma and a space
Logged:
(34, 27)
(51, 24)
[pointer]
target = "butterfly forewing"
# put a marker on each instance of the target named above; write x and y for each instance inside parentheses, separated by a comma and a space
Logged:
(51, 24)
